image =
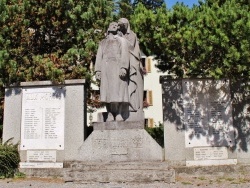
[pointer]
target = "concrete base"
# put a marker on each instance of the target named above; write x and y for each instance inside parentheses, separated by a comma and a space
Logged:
(133, 116)
(119, 172)
(143, 172)
(120, 141)
(43, 172)
(115, 125)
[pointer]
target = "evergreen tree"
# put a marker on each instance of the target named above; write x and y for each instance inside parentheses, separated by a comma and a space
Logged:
(50, 39)
(149, 4)
(208, 40)
(125, 8)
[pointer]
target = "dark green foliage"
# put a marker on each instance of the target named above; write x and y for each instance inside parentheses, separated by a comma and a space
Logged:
(207, 40)
(149, 4)
(50, 40)
(125, 8)
(9, 159)
(157, 133)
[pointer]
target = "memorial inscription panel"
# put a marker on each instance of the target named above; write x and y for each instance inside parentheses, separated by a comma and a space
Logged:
(201, 107)
(210, 153)
(207, 113)
(42, 125)
(38, 155)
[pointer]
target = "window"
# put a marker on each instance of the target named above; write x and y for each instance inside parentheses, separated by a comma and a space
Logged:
(148, 64)
(143, 61)
(147, 98)
(149, 122)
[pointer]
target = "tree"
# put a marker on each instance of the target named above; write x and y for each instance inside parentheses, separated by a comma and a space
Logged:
(53, 40)
(125, 8)
(50, 39)
(149, 4)
(208, 40)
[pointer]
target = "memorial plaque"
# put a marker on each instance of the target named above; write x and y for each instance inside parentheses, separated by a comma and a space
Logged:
(207, 113)
(38, 155)
(212, 162)
(195, 116)
(42, 124)
(220, 120)
(40, 165)
(210, 153)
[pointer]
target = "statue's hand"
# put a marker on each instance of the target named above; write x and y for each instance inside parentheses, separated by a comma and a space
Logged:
(98, 75)
(123, 73)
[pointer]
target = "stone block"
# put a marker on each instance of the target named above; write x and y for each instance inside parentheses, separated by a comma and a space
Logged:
(12, 114)
(68, 130)
(133, 116)
(120, 172)
(114, 125)
(120, 144)
(200, 115)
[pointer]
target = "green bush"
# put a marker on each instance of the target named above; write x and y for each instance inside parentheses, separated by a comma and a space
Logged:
(157, 133)
(9, 159)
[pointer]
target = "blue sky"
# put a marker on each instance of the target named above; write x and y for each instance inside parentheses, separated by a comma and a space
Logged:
(170, 3)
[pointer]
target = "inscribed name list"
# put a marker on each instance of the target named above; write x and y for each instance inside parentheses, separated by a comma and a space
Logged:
(42, 124)
(207, 113)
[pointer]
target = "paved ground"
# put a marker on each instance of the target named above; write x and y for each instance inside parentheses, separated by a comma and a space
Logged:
(181, 182)
(234, 176)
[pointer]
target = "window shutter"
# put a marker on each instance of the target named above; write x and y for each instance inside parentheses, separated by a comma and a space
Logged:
(150, 97)
(148, 64)
(151, 122)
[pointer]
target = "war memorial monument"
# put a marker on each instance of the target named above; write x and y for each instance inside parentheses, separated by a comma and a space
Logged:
(203, 121)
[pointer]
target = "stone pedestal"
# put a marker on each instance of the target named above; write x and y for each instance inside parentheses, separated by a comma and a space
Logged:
(120, 152)
(133, 116)
(120, 141)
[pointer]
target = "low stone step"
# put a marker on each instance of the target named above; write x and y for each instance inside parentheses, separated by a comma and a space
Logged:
(119, 166)
(120, 172)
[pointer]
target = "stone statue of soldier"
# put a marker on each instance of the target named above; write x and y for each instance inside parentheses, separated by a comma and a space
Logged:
(112, 68)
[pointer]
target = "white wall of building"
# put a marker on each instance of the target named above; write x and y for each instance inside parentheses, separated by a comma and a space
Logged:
(152, 82)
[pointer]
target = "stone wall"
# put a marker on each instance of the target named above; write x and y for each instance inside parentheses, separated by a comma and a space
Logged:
(47, 120)
(201, 122)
